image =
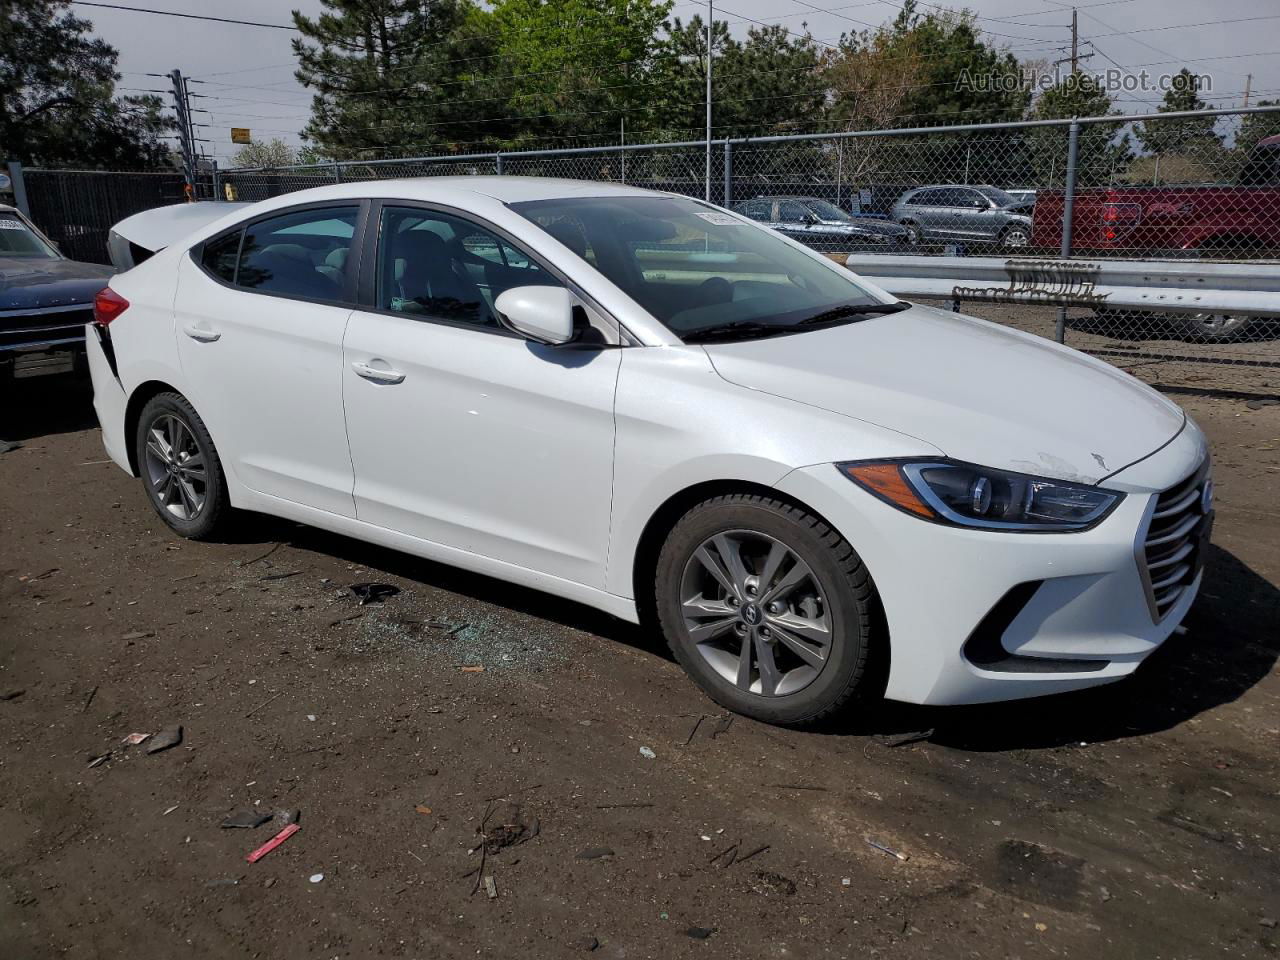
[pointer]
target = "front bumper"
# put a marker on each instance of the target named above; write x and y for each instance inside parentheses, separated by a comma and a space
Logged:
(43, 341)
(1061, 611)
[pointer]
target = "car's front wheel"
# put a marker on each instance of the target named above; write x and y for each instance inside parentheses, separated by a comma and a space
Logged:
(768, 609)
(915, 235)
(180, 467)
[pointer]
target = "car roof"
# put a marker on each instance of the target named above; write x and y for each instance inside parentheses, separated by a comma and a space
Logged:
(503, 189)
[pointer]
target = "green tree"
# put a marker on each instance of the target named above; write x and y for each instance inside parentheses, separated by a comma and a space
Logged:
(265, 153)
(574, 67)
(1103, 152)
(1257, 126)
(59, 106)
(393, 77)
(768, 83)
(930, 69)
(1192, 135)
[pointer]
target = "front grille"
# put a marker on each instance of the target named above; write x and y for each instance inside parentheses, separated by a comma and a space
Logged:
(1173, 545)
(39, 329)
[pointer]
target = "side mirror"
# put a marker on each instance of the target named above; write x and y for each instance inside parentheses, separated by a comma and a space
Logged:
(541, 314)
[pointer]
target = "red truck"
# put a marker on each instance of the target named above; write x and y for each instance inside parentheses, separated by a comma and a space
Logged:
(1221, 221)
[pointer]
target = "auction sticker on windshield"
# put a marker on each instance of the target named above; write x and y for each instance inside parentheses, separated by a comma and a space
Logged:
(10, 225)
(720, 219)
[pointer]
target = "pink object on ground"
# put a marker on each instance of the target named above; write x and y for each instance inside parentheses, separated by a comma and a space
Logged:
(274, 842)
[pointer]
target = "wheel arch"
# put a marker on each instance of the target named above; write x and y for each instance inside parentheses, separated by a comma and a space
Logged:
(664, 518)
(133, 412)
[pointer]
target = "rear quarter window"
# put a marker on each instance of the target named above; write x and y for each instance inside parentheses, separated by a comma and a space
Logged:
(220, 255)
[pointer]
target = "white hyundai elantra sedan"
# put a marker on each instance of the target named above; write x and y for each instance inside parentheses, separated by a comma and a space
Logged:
(652, 406)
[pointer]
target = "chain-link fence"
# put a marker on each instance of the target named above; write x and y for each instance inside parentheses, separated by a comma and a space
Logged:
(1202, 184)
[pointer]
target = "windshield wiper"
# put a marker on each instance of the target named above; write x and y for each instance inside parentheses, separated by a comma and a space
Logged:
(853, 312)
(738, 330)
(754, 329)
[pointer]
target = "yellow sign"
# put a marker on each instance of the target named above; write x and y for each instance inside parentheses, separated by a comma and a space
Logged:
(240, 135)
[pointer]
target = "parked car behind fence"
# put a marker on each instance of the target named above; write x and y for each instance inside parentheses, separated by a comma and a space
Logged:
(821, 224)
(982, 214)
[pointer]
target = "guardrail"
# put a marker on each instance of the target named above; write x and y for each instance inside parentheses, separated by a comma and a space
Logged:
(1194, 287)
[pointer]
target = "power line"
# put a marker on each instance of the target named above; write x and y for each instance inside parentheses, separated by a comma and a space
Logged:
(185, 16)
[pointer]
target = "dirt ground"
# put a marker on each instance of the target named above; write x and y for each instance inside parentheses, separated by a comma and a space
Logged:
(1140, 820)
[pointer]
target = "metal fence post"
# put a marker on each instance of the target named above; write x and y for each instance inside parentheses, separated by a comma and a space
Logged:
(19, 188)
(728, 172)
(497, 163)
(337, 172)
(1068, 211)
(217, 180)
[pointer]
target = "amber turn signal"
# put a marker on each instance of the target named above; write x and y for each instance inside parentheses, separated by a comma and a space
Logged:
(885, 480)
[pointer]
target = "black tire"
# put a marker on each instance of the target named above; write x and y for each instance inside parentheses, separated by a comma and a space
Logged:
(214, 513)
(851, 603)
(914, 235)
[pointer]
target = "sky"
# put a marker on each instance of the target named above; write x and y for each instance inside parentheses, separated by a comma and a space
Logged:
(243, 75)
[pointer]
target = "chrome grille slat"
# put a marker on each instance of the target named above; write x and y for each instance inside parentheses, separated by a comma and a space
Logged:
(1179, 554)
(1177, 574)
(1178, 507)
(1177, 533)
(1171, 542)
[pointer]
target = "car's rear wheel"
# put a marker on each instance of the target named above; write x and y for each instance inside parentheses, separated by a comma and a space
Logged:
(768, 609)
(180, 467)
(914, 235)
(1214, 327)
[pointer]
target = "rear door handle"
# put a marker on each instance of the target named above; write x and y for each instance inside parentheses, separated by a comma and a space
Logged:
(203, 334)
(376, 374)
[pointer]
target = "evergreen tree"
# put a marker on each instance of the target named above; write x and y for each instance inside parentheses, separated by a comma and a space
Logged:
(1103, 151)
(1185, 136)
(395, 77)
(59, 106)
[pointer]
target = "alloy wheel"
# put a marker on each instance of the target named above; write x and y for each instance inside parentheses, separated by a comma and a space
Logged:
(756, 613)
(175, 467)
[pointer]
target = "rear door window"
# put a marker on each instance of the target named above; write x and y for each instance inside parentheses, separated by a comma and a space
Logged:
(302, 254)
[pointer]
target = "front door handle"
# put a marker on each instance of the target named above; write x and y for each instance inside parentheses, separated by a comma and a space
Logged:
(376, 374)
(203, 334)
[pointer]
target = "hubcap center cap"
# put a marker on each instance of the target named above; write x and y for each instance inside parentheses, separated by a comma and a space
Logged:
(751, 614)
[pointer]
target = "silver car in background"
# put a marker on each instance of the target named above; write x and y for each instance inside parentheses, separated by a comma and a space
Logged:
(821, 224)
(981, 214)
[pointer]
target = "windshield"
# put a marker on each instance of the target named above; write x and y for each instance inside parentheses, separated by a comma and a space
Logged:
(999, 196)
(826, 210)
(695, 268)
(18, 240)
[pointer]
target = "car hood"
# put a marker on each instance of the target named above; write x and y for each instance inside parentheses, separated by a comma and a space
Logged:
(30, 284)
(977, 391)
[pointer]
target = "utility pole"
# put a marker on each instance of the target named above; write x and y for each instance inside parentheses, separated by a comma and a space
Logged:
(711, 19)
(1248, 86)
(1075, 43)
(1076, 55)
(186, 133)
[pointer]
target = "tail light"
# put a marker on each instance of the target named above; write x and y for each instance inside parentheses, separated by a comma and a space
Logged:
(108, 305)
(1117, 217)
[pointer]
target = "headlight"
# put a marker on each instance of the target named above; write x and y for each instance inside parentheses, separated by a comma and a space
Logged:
(967, 495)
